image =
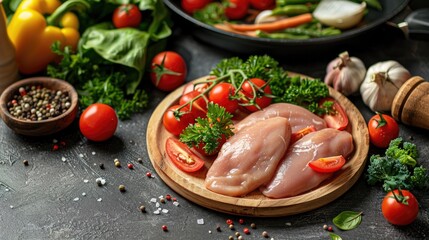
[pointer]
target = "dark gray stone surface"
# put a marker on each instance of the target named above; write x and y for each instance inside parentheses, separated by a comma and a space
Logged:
(45, 199)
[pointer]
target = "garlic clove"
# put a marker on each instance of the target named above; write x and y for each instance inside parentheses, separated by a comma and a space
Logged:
(266, 16)
(341, 14)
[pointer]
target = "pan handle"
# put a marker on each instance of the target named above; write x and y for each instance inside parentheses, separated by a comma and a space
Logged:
(414, 24)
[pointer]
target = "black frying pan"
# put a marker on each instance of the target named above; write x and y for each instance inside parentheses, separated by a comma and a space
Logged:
(250, 45)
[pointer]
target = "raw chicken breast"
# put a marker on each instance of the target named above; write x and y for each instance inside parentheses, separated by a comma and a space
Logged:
(294, 176)
(249, 158)
(298, 117)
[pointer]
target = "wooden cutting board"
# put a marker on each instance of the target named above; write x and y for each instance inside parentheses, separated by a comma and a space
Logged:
(191, 186)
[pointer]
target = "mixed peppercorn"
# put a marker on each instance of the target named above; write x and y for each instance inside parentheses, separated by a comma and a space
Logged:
(36, 103)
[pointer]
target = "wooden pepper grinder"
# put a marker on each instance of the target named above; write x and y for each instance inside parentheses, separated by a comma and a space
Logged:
(411, 103)
(8, 66)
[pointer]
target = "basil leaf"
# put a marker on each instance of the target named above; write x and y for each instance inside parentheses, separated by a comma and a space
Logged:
(348, 220)
(335, 236)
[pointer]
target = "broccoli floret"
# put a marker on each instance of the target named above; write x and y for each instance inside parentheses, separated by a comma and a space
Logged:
(389, 171)
(405, 152)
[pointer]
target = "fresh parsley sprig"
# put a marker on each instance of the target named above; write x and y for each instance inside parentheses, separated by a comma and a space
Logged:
(209, 131)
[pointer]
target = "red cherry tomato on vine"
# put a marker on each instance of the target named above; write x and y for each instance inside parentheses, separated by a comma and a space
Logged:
(182, 157)
(256, 85)
(402, 212)
(176, 125)
(382, 129)
(337, 118)
(98, 122)
(127, 15)
(190, 6)
(328, 164)
(222, 94)
(263, 4)
(237, 9)
(199, 106)
(168, 70)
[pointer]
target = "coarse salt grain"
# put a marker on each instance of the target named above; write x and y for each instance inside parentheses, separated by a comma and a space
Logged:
(85, 180)
(164, 210)
(7, 189)
(100, 180)
(153, 200)
(83, 194)
(63, 159)
(156, 212)
(11, 206)
(176, 204)
(99, 200)
(200, 221)
(81, 155)
(288, 224)
(93, 153)
(54, 140)
(157, 204)
(76, 199)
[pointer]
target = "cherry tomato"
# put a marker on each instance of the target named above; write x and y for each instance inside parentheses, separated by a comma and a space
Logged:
(182, 156)
(338, 118)
(328, 164)
(98, 122)
(222, 94)
(127, 15)
(176, 125)
(382, 129)
(199, 106)
(301, 133)
(256, 85)
(200, 147)
(168, 70)
(402, 212)
(190, 6)
(236, 9)
(263, 4)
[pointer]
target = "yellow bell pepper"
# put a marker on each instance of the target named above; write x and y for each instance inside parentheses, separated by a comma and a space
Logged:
(33, 35)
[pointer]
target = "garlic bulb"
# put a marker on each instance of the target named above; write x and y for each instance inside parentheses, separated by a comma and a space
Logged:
(341, 14)
(381, 84)
(345, 74)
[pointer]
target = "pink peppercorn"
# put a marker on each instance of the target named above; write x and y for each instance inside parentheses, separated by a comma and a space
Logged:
(246, 231)
(229, 222)
(168, 197)
(130, 166)
(241, 221)
(148, 174)
(164, 228)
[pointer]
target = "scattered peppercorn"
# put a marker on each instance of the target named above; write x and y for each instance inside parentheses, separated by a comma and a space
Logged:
(253, 225)
(240, 238)
(117, 164)
(149, 175)
(246, 231)
(218, 228)
(265, 234)
(237, 234)
(142, 208)
(164, 228)
(325, 227)
(174, 199)
(162, 200)
(230, 238)
(231, 226)
(101, 166)
(122, 188)
(36, 103)
(330, 229)
(98, 181)
(130, 166)
(229, 222)
(25, 162)
(241, 221)
(168, 197)
(55, 147)
(140, 160)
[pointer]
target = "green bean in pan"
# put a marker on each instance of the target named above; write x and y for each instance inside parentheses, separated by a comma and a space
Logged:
(280, 35)
(291, 2)
(314, 33)
(292, 10)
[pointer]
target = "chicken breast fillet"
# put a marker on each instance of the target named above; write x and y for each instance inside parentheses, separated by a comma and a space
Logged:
(249, 158)
(294, 176)
(298, 117)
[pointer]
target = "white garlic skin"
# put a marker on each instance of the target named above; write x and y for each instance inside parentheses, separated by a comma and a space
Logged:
(381, 84)
(345, 74)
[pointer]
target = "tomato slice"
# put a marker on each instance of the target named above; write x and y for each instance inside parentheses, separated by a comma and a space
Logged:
(182, 157)
(301, 133)
(337, 118)
(328, 164)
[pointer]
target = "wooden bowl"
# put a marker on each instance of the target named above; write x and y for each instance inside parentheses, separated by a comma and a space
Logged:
(42, 127)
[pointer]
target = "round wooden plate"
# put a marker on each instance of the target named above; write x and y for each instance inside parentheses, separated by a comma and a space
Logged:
(191, 186)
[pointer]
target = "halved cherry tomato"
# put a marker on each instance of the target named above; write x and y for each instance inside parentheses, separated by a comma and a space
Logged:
(258, 86)
(328, 164)
(301, 133)
(337, 118)
(236, 9)
(176, 125)
(127, 15)
(223, 95)
(400, 207)
(199, 106)
(182, 157)
(382, 129)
